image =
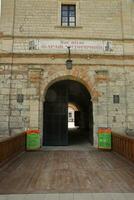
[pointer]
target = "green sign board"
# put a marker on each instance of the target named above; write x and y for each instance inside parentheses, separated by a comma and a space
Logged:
(104, 140)
(33, 141)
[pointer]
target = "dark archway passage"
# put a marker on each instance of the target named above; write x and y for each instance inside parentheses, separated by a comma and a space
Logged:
(58, 96)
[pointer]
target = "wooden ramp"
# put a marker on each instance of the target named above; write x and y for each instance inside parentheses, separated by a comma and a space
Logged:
(67, 171)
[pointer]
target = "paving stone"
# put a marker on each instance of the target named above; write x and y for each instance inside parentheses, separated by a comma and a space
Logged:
(52, 197)
(102, 196)
(129, 196)
(66, 196)
(118, 196)
(3, 197)
(16, 197)
(35, 196)
(83, 196)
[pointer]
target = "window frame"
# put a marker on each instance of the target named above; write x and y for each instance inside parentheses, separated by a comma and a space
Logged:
(78, 20)
(116, 99)
(68, 15)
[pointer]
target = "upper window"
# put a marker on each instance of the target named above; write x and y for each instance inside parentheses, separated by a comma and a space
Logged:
(68, 15)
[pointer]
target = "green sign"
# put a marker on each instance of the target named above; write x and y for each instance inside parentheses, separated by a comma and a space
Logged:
(33, 141)
(104, 140)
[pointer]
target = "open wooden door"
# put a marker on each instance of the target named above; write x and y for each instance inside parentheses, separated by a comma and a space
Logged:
(56, 116)
(77, 118)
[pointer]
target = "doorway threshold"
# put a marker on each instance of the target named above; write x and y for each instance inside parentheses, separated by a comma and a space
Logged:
(82, 147)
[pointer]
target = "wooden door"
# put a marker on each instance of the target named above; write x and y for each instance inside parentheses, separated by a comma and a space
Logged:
(56, 116)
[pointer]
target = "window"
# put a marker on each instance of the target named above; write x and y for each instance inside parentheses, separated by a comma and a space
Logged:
(70, 117)
(70, 114)
(116, 99)
(68, 15)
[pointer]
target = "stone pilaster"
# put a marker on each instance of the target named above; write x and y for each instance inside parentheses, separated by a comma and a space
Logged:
(34, 75)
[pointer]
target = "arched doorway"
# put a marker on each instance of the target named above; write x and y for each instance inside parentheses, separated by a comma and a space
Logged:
(58, 97)
(72, 110)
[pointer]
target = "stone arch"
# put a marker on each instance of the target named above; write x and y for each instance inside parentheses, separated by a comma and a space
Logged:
(75, 107)
(78, 74)
(82, 78)
(59, 93)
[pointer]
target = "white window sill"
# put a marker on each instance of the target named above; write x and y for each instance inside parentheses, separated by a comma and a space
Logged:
(69, 27)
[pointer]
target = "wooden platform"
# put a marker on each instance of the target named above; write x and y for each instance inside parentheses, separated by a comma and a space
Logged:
(67, 171)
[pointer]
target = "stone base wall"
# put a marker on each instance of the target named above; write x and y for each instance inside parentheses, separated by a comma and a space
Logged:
(5, 76)
(33, 81)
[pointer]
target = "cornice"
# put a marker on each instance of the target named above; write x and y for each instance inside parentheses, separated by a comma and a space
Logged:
(55, 56)
(2, 36)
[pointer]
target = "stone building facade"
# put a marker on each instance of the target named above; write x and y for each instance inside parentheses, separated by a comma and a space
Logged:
(33, 52)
